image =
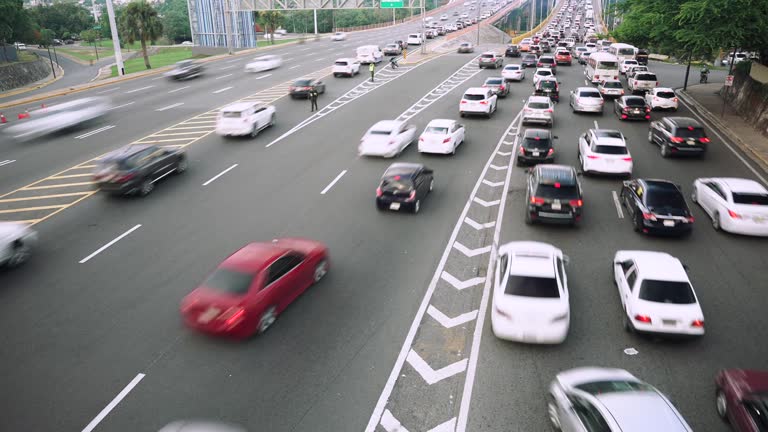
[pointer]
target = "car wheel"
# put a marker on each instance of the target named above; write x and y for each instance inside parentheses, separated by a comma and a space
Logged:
(146, 188)
(182, 166)
(272, 120)
(335, 75)
(694, 198)
(321, 269)
(716, 221)
(665, 153)
(721, 404)
(416, 206)
(461, 114)
(628, 327)
(254, 131)
(554, 417)
(528, 218)
(637, 224)
(19, 254)
(650, 136)
(267, 319)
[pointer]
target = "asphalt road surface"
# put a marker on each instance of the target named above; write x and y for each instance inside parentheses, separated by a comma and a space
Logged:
(77, 335)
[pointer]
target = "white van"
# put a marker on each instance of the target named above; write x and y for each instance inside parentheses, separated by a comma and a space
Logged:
(414, 39)
(367, 54)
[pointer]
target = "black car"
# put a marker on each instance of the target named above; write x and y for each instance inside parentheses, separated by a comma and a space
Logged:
(402, 44)
(553, 194)
(536, 147)
(632, 108)
(678, 136)
(137, 167)
(512, 51)
(548, 87)
(403, 186)
(656, 206)
(642, 57)
(185, 69)
(529, 60)
(545, 47)
(301, 87)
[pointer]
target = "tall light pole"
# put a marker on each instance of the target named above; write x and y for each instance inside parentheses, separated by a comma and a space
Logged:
(115, 39)
(479, 6)
(424, 41)
(228, 27)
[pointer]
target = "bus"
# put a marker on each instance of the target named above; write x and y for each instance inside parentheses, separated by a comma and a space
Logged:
(623, 51)
(602, 66)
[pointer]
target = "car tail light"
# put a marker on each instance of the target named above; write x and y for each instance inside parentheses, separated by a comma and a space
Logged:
(593, 157)
(550, 152)
(649, 216)
(576, 203)
(537, 200)
(657, 83)
(647, 109)
(463, 101)
(704, 140)
(647, 117)
(733, 214)
(501, 87)
(676, 139)
(522, 151)
(483, 102)
(125, 177)
(625, 109)
(447, 140)
(627, 159)
(378, 192)
(689, 219)
(643, 318)
(623, 116)
(549, 110)
(674, 100)
(412, 196)
(291, 88)
(233, 315)
(697, 323)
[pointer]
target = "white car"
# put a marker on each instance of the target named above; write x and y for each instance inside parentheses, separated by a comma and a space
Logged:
(442, 136)
(642, 82)
(368, 54)
(635, 69)
(539, 109)
(613, 399)
(387, 138)
(60, 117)
(540, 73)
(339, 36)
(734, 205)
(661, 98)
(346, 67)
(414, 39)
(604, 151)
(530, 294)
(513, 72)
(626, 64)
(611, 88)
(586, 99)
(444, 17)
(579, 51)
(16, 243)
(244, 118)
(264, 63)
(656, 294)
(478, 100)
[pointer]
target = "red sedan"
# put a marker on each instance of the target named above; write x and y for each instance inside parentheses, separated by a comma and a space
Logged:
(563, 57)
(742, 399)
(248, 291)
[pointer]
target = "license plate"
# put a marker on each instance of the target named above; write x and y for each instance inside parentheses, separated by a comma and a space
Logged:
(535, 153)
(394, 206)
(669, 223)
(669, 322)
(556, 206)
(636, 111)
(691, 142)
(208, 315)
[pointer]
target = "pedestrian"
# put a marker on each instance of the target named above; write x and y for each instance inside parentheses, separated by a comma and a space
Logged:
(372, 68)
(313, 99)
(393, 63)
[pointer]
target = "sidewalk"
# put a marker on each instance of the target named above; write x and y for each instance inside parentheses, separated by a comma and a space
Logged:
(705, 99)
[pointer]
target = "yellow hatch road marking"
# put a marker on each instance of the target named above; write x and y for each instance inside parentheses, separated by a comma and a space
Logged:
(15, 204)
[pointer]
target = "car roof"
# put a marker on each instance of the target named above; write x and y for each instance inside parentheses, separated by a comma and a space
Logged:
(531, 258)
(405, 169)
(496, 78)
(489, 52)
(740, 185)
(581, 89)
(639, 411)
(551, 174)
(512, 66)
(125, 152)
(476, 90)
(254, 256)
(548, 57)
(240, 106)
(347, 59)
(661, 89)
(386, 124)
(441, 122)
(656, 265)
(541, 133)
(544, 69)
(684, 122)
(658, 184)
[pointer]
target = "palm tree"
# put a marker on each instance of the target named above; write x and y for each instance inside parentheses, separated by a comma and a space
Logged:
(139, 21)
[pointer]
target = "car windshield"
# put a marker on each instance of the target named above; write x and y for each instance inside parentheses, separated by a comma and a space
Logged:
(231, 114)
(634, 102)
(610, 149)
(396, 183)
(538, 105)
(547, 84)
(665, 94)
(661, 198)
(302, 82)
(591, 94)
(750, 198)
(436, 130)
(531, 286)
(666, 292)
(536, 143)
(602, 387)
(229, 281)
(474, 97)
(690, 132)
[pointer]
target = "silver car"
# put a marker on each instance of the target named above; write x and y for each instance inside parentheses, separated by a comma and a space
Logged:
(586, 99)
(582, 399)
(60, 117)
(539, 109)
(16, 243)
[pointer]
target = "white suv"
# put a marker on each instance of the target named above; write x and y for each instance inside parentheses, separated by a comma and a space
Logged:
(245, 118)
(414, 39)
(478, 100)
(346, 67)
(539, 109)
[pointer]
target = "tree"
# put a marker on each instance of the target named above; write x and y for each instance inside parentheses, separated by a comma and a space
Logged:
(62, 18)
(175, 16)
(271, 20)
(89, 36)
(46, 38)
(140, 22)
(15, 25)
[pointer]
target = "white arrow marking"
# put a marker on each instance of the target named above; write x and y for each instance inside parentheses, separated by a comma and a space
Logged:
(631, 351)
(430, 375)
(390, 423)
(479, 226)
(497, 168)
(449, 426)
(451, 322)
(493, 184)
(485, 203)
(461, 285)
(503, 153)
(471, 252)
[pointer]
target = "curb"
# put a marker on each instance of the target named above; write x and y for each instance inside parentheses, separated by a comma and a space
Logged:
(710, 117)
(15, 92)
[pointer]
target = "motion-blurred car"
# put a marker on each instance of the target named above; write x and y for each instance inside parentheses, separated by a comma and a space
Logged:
(656, 294)
(497, 84)
(442, 136)
(264, 63)
(631, 108)
(478, 100)
(368, 54)
(466, 47)
(414, 39)
(201, 426)
(553, 194)
(17, 240)
(135, 168)
(346, 67)
(252, 287)
(387, 138)
(590, 399)
(490, 59)
(677, 136)
(392, 50)
(611, 88)
(512, 51)
(245, 119)
(339, 36)
(740, 399)
(60, 117)
(185, 69)
(302, 87)
(586, 99)
(734, 205)
(403, 186)
(539, 109)
(661, 98)
(513, 72)
(656, 206)
(537, 146)
(530, 294)
(604, 151)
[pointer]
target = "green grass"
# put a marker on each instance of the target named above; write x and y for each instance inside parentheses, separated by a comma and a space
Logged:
(265, 43)
(87, 54)
(164, 57)
(107, 43)
(26, 56)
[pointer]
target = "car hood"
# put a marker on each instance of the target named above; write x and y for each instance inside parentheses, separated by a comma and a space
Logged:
(749, 380)
(9, 230)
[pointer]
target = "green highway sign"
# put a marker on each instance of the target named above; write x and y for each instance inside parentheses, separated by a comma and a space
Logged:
(392, 4)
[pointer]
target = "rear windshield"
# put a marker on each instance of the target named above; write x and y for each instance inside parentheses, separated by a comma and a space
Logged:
(512, 68)
(494, 81)
(529, 57)
(665, 94)
(530, 286)
(748, 198)
(231, 114)
(537, 143)
(546, 60)
(474, 97)
(229, 281)
(118, 165)
(538, 105)
(302, 82)
(610, 149)
(397, 184)
(379, 132)
(437, 130)
(608, 65)
(690, 132)
(551, 192)
(591, 94)
(634, 102)
(667, 292)
(341, 63)
(547, 84)
(602, 387)
(660, 198)
(645, 77)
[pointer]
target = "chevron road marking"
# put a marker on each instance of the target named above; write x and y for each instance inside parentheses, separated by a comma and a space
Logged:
(461, 285)
(391, 424)
(492, 184)
(486, 203)
(471, 252)
(479, 226)
(498, 168)
(503, 153)
(430, 375)
(450, 322)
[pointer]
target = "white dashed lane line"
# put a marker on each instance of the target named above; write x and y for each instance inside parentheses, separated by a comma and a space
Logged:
(222, 90)
(121, 106)
(106, 246)
(178, 89)
(138, 89)
(219, 175)
(95, 422)
(170, 106)
(223, 76)
(330, 185)
(94, 132)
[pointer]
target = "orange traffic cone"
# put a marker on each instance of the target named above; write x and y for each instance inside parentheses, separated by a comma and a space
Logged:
(24, 115)
(2, 118)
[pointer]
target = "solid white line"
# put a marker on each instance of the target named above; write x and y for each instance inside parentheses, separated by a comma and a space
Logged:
(120, 106)
(138, 89)
(263, 76)
(330, 185)
(596, 126)
(178, 89)
(227, 67)
(222, 90)
(7, 161)
(585, 82)
(94, 132)
(219, 175)
(294, 67)
(158, 78)
(170, 106)
(108, 90)
(617, 204)
(101, 249)
(95, 422)
(224, 76)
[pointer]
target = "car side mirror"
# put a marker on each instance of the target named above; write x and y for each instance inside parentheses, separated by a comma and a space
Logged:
(566, 259)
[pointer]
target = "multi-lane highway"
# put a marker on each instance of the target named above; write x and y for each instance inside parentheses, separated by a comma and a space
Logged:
(398, 332)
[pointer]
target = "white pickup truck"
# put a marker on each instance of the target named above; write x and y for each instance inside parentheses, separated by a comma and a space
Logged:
(642, 82)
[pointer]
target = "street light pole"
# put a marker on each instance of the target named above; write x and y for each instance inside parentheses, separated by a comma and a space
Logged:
(53, 69)
(479, 7)
(424, 41)
(115, 39)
